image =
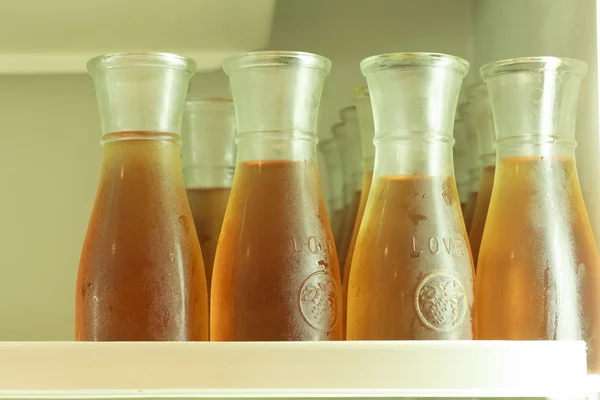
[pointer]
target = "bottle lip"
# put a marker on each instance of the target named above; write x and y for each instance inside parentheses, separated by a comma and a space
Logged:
(349, 112)
(209, 102)
(265, 59)
(129, 60)
(476, 89)
(339, 129)
(381, 62)
(534, 64)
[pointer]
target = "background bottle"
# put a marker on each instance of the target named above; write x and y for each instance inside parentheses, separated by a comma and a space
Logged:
(354, 179)
(539, 270)
(411, 273)
(474, 164)
(483, 122)
(331, 155)
(208, 159)
(141, 275)
(276, 274)
(362, 101)
(461, 163)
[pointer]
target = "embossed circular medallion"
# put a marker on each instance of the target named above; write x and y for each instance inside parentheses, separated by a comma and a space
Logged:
(441, 302)
(320, 301)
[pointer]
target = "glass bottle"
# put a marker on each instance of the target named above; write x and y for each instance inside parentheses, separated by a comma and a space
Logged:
(474, 168)
(276, 274)
(141, 275)
(539, 268)
(461, 163)
(208, 159)
(339, 132)
(353, 160)
(483, 124)
(411, 274)
(362, 101)
(331, 155)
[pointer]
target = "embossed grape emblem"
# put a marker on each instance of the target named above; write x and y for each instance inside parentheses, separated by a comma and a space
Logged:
(320, 302)
(441, 302)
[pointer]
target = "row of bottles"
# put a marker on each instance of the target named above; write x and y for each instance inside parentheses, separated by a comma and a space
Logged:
(404, 234)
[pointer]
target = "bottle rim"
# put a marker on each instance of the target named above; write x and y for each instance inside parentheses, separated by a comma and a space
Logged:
(209, 102)
(400, 61)
(534, 64)
(339, 130)
(361, 92)
(134, 60)
(349, 112)
(265, 59)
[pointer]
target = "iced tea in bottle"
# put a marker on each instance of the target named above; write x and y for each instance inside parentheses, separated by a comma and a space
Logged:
(461, 163)
(208, 158)
(276, 274)
(539, 268)
(483, 124)
(354, 178)
(141, 275)
(411, 273)
(331, 155)
(362, 100)
(473, 156)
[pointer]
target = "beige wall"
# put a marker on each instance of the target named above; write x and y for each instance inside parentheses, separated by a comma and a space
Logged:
(50, 155)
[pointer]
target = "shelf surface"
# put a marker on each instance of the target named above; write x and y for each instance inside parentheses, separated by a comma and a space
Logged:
(293, 369)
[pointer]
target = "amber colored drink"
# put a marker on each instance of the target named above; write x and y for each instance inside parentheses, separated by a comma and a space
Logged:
(348, 228)
(470, 209)
(481, 210)
(367, 178)
(141, 275)
(411, 274)
(208, 209)
(537, 231)
(276, 275)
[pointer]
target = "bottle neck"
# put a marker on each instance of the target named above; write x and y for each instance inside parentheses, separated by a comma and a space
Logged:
(208, 177)
(536, 146)
(280, 146)
(412, 157)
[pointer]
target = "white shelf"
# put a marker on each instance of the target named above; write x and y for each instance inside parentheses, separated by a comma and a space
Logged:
(293, 369)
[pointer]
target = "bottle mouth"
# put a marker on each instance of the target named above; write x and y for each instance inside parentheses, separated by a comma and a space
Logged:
(534, 64)
(348, 113)
(134, 60)
(339, 130)
(399, 61)
(266, 59)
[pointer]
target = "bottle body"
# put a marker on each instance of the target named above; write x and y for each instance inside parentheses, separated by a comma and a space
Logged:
(141, 275)
(411, 274)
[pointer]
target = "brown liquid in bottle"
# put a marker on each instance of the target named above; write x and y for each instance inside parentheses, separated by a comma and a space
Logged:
(481, 210)
(411, 270)
(141, 275)
(208, 209)
(539, 269)
(348, 228)
(470, 209)
(276, 275)
(367, 178)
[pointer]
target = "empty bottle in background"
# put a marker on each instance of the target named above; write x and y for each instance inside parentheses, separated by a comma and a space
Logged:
(276, 274)
(412, 274)
(326, 184)
(208, 160)
(141, 275)
(331, 155)
(539, 269)
(483, 123)
(461, 163)
(340, 135)
(474, 166)
(354, 179)
(362, 101)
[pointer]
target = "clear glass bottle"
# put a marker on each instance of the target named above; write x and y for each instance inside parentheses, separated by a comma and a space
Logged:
(474, 167)
(276, 274)
(208, 159)
(412, 273)
(141, 275)
(354, 178)
(331, 155)
(339, 132)
(362, 101)
(483, 124)
(461, 163)
(539, 269)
